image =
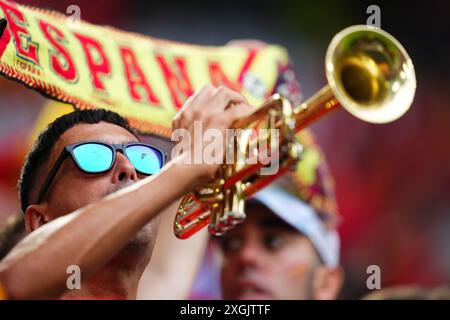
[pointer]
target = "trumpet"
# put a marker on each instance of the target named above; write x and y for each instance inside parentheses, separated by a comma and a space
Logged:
(369, 74)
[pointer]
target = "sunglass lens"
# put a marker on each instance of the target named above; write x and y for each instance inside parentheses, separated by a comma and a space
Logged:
(145, 159)
(93, 157)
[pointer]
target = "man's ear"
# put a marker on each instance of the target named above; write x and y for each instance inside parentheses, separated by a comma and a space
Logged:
(36, 215)
(328, 282)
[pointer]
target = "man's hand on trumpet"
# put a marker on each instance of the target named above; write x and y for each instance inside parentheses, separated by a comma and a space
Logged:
(210, 108)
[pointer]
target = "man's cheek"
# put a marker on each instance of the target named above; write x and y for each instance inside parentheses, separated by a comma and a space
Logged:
(297, 270)
(289, 280)
(295, 266)
(82, 194)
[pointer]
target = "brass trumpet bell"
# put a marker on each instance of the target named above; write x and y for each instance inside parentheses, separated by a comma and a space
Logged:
(370, 74)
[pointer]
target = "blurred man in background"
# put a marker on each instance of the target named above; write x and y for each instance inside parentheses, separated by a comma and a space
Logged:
(288, 246)
(282, 251)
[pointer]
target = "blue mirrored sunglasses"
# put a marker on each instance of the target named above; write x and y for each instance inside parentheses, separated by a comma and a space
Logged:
(98, 157)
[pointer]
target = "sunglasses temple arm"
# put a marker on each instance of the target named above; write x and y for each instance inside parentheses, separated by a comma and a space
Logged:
(52, 175)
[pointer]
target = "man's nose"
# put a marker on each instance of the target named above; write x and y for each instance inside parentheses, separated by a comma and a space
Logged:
(123, 169)
(249, 254)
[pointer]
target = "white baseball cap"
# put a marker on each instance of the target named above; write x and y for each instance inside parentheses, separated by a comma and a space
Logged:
(302, 217)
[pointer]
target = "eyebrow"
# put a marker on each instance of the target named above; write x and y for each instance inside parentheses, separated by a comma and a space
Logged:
(121, 141)
(275, 223)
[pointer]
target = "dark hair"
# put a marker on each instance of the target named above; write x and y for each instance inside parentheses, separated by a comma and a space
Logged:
(43, 146)
(11, 232)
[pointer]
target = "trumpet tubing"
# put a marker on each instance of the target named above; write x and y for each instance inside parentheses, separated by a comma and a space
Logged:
(369, 74)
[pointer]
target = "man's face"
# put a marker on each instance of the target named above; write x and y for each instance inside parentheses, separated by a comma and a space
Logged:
(264, 258)
(72, 189)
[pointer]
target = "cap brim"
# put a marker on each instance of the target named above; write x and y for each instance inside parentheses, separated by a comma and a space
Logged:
(302, 217)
